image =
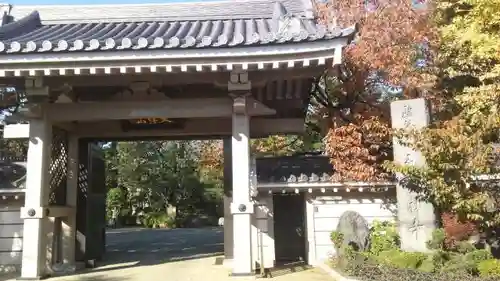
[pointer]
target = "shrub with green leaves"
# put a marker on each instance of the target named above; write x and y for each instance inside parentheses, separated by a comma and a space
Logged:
(385, 261)
(158, 220)
(489, 268)
(401, 259)
(337, 239)
(458, 263)
(437, 240)
(383, 236)
(478, 256)
(377, 272)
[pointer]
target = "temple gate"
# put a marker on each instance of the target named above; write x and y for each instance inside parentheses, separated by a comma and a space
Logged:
(93, 72)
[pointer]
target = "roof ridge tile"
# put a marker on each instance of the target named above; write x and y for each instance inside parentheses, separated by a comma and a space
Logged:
(207, 10)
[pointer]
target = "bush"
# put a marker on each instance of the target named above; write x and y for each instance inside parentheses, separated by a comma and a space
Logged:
(401, 259)
(385, 261)
(371, 269)
(466, 263)
(437, 240)
(439, 259)
(375, 272)
(350, 260)
(384, 236)
(458, 263)
(456, 230)
(478, 256)
(337, 238)
(489, 268)
(158, 220)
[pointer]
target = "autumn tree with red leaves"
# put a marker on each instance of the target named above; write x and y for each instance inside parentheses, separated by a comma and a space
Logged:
(350, 102)
(443, 50)
(352, 99)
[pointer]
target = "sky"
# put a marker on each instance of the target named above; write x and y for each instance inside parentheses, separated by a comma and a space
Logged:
(89, 2)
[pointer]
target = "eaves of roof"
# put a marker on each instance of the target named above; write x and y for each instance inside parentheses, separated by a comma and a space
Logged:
(29, 35)
(276, 38)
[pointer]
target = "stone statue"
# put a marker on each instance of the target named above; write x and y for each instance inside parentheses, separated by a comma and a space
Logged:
(355, 231)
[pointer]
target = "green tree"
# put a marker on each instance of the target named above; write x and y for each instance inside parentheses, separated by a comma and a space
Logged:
(15, 148)
(164, 177)
(458, 145)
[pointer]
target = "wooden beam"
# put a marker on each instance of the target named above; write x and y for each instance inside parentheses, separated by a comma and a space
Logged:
(259, 127)
(169, 79)
(60, 211)
(173, 108)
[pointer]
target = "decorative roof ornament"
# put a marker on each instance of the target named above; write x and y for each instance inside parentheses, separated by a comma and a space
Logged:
(292, 178)
(287, 26)
(18, 28)
(303, 178)
(5, 10)
(325, 177)
(314, 177)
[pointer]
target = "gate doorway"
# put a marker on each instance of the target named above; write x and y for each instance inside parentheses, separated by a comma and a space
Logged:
(289, 228)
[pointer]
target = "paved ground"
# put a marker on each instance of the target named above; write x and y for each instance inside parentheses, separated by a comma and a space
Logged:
(159, 246)
(171, 255)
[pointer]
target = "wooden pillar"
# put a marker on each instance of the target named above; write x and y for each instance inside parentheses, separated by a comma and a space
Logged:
(228, 218)
(34, 257)
(69, 223)
(242, 208)
(417, 219)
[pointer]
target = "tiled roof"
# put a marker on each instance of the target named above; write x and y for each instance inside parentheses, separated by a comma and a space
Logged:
(206, 10)
(29, 34)
(294, 169)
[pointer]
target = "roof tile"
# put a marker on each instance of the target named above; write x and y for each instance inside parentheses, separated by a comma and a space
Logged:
(30, 35)
(294, 169)
(206, 10)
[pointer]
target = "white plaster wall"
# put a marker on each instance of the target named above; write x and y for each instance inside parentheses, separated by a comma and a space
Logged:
(11, 235)
(262, 221)
(327, 209)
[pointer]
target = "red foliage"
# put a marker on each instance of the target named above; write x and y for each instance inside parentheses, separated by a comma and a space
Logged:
(211, 155)
(389, 32)
(456, 230)
(360, 140)
(358, 148)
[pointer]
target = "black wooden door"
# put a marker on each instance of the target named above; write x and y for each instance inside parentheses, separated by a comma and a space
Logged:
(96, 205)
(91, 204)
(289, 227)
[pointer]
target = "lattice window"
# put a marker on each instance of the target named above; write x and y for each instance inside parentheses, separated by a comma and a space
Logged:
(58, 168)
